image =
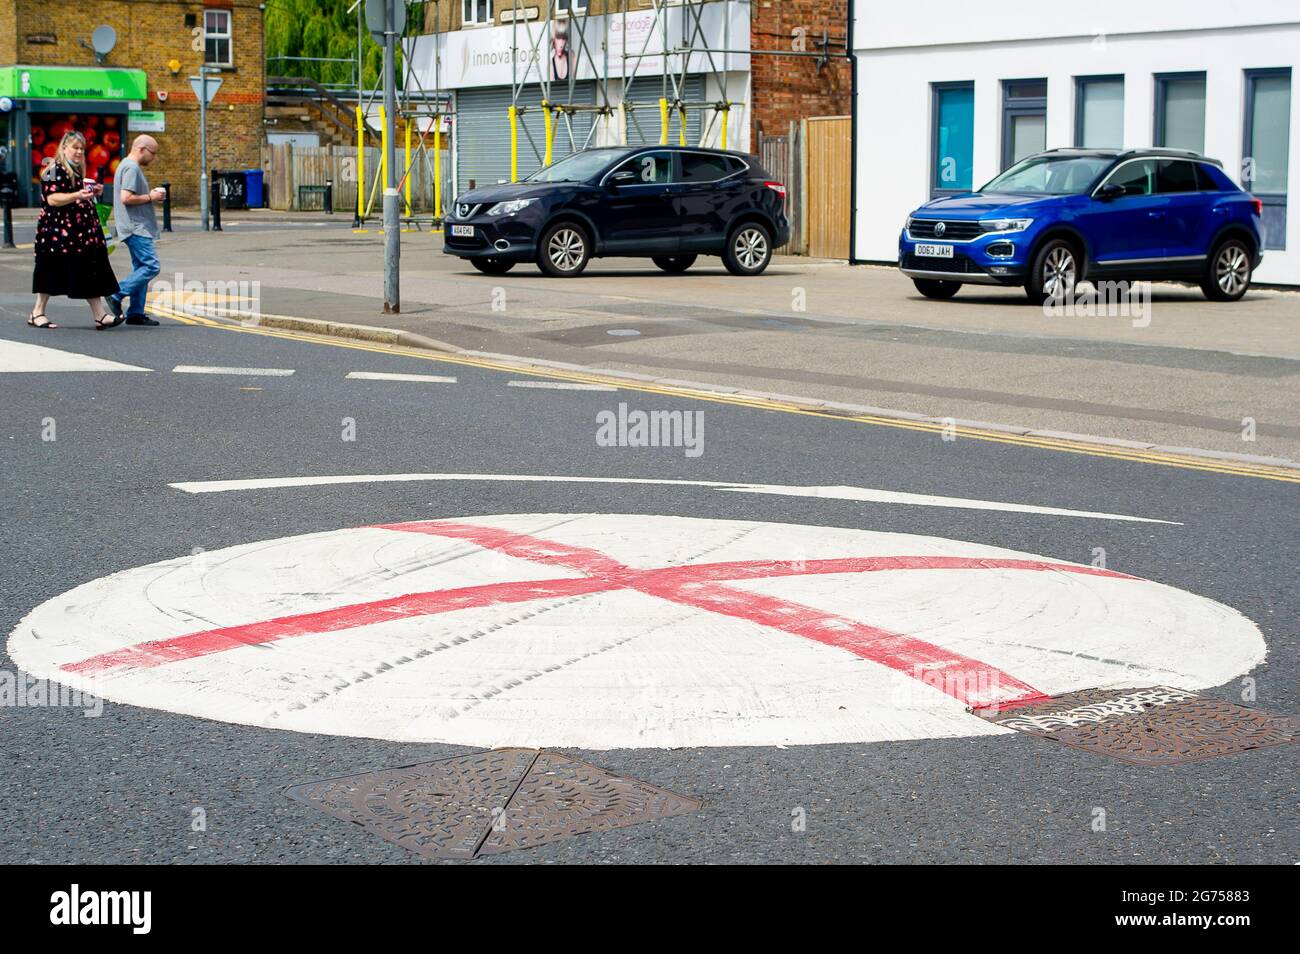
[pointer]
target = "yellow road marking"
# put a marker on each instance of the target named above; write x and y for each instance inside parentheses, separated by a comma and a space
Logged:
(1210, 465)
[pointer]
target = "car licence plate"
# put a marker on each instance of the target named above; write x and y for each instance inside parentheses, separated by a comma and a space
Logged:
(934, 251)
(466, 231)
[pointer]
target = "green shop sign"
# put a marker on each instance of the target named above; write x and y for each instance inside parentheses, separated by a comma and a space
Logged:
(72, 82)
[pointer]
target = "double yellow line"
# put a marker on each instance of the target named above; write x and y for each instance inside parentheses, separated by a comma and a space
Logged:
(1209, 465)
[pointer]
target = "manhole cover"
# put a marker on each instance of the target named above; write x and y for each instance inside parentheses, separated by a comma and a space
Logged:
(490, 802)
(1152, 726)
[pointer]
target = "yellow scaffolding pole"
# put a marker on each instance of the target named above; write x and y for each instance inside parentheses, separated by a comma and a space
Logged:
(361, 163)
(437, 165)
(407, 176)
(550, 132)
(383, 148)
(682, 132)
(663, 122)
(726, 110)
(514, 143)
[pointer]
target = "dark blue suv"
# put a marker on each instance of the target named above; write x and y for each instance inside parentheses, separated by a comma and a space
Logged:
(1065, 215)
(668, 203)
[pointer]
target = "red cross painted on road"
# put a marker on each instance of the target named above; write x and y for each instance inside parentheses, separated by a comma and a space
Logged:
(701, 586)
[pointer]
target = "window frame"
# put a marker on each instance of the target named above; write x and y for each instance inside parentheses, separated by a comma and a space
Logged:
(474, 20)
(1013, 107)
(1162, 81)
(1270, 200)
(1080, 84)
(228, 36)
(936, 94)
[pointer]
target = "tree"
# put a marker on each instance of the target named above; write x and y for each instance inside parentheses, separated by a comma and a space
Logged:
(324, 29)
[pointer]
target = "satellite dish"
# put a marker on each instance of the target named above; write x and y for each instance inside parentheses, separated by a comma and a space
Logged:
(102, 41)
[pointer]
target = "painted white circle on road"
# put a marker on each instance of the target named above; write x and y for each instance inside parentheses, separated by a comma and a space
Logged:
(621, 631)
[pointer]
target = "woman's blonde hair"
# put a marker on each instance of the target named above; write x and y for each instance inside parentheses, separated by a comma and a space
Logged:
(61, 157)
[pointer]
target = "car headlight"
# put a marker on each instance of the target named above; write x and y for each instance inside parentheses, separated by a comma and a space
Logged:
(508, 208)
(1005, 225)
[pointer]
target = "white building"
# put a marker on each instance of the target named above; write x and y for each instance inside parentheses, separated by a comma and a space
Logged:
(950, 98)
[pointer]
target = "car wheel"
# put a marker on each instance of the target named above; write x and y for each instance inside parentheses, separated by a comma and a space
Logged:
(492, 266)
(675, 263)
(1227, 277)
(749, 249)
(564, 250)
(936, 288)
(1055, 272)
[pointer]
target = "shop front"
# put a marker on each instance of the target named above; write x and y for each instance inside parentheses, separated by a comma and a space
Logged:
(45, 102)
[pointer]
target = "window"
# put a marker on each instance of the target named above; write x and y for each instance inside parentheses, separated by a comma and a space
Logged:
(649, 168)
(699, 167)
(1099, 112)
(216, 38)
(953, 144)
(1050, 175)
(1266, 149)
(476, 11)
(1024, 119)
(571, 6)
(1180, 111)
(1137, 177)
(1176, 175)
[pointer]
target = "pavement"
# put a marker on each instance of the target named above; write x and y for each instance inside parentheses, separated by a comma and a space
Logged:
(1188, 374)
(92, 459)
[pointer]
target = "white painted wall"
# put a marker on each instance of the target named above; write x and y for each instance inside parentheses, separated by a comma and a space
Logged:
(900, 56)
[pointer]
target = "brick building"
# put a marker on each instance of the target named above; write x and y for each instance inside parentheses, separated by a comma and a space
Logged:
(790, 88)
(51, 79)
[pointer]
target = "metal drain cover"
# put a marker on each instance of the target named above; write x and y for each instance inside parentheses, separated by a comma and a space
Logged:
(490, 802)
(1152, 726)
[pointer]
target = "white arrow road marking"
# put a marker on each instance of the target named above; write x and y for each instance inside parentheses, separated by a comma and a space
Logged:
(561, 385)
(828, 493)
(17, 357)
(622, 630)
(247, 372)
(394, 376)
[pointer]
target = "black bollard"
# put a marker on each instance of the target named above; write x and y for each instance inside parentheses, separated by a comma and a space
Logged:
(329, 196)
(167, 207)
(214, 202)
(8, 196)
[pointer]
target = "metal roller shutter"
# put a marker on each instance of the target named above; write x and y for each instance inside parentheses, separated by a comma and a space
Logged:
(643, 122)
(483, 131)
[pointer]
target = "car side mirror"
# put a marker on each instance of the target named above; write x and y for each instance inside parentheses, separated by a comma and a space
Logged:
(1111, 190)
(621, 179)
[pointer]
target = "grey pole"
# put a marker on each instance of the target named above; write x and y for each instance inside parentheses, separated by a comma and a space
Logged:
(203, 147)
(392, 224)
(391, 213)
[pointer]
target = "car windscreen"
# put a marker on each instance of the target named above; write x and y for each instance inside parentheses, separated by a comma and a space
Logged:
(1051, 175)
(578, 167)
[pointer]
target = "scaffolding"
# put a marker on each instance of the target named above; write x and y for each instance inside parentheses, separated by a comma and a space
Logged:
(593, 77)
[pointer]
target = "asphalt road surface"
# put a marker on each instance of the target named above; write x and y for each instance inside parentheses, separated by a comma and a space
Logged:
(89, 457)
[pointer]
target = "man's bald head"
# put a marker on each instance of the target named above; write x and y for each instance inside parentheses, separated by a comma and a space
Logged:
(143, 149)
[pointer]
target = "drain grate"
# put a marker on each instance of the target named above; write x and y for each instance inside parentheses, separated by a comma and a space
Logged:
(490, 802)
(1151, 726)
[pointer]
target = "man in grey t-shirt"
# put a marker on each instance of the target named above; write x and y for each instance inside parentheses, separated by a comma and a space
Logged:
(137, 227)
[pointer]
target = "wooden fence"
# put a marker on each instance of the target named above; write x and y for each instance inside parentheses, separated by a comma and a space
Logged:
(287, 167)
(828, 183)
(782, 156)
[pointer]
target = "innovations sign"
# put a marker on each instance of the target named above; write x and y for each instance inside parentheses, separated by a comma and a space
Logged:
(559, 50)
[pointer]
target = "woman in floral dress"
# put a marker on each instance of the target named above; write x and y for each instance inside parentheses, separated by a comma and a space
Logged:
(71, 257)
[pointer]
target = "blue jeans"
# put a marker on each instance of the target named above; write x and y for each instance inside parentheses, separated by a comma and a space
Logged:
(144, 269)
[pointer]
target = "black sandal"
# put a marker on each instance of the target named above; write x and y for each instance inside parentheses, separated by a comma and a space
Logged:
(109, 320)
(42, 323)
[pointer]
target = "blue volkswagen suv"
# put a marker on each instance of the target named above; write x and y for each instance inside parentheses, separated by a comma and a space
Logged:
(667, 203)
(1066, 215)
